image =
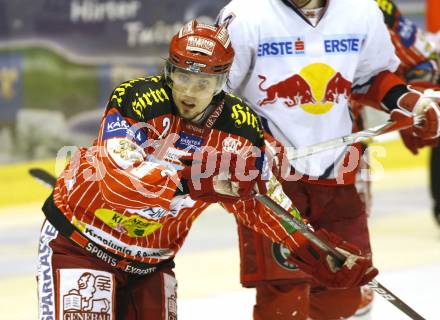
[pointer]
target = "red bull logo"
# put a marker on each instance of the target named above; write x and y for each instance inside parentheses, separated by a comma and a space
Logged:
(337, 87)
(315, 89)
(295, 90)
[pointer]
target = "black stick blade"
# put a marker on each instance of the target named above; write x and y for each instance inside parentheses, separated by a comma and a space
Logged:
(43, 176)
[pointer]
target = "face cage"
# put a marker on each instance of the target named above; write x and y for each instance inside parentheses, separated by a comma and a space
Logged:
(170, 68)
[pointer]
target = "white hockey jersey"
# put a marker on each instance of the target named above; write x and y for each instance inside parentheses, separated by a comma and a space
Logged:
(298, 76)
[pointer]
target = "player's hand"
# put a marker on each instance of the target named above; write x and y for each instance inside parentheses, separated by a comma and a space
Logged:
(425, 133)
(214, 176)
(413, 143)
(415, 103)
(356, 271)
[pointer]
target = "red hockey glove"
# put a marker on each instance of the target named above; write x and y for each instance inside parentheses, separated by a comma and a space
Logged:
(413, 104)
(413, 143)
(356, 271)
(425, 133)
(222, 177)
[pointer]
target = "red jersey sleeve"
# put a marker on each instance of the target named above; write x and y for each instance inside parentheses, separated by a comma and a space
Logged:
(412, 46)
(416, 54)
(263, 220)
(129, 177)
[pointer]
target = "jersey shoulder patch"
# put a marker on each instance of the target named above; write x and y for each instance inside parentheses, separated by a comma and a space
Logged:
(239, 119)
(143, 98)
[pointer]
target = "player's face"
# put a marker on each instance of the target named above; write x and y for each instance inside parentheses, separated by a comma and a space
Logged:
(192, 92)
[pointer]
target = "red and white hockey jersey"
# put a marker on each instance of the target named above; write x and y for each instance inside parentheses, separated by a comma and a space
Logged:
(121, 193)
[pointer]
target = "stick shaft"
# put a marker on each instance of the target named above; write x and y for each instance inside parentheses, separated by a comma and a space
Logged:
(43, 176)
(301, 227)
(298, 225)
(364, 135)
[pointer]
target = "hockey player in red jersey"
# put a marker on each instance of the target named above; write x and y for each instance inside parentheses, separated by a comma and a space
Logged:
(418, 61)
(419, 67)
(313, 55)
(418, 52)
(168, 146)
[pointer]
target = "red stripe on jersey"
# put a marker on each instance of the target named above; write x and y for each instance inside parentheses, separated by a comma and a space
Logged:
(79, 239)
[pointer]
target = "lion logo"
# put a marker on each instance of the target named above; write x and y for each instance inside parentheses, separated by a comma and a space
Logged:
(91, 294)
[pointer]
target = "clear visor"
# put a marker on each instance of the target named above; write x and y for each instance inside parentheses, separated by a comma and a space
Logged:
(194, 83)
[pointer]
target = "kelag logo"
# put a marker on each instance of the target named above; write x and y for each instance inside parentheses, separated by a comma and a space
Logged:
(316, 88)
(116, 127)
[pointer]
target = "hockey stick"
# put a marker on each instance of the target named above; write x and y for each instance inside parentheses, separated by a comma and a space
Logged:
(43, 176)
(301, 227)
(49, 180)
(401, 123)
(364, 135)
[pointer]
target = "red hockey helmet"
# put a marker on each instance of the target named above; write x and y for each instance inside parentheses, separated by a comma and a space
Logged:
(201, 48)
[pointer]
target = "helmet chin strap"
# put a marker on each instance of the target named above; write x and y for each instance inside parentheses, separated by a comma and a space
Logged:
(200, 117)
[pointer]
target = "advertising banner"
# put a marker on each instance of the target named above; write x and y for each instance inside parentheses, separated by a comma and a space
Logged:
(61, 59)
(100, 28)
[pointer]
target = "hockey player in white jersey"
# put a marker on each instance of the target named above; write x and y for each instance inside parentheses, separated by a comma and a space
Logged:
(297, 62)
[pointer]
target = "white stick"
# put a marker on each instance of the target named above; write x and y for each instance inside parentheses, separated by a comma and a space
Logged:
(364, 135)
(402, 123)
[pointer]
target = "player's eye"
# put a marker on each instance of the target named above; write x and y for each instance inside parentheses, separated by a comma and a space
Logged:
(182, 78)
(203, 84)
